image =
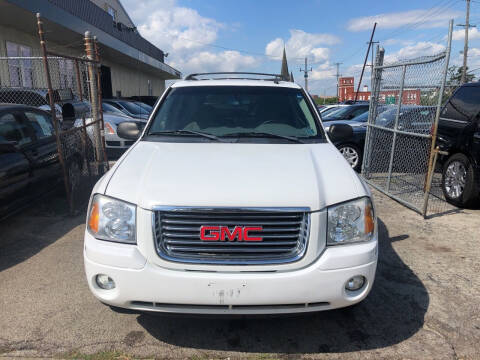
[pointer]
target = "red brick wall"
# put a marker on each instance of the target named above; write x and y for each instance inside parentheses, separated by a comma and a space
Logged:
(345, 88)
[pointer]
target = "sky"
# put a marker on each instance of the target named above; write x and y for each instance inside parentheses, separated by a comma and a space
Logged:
(249, 35)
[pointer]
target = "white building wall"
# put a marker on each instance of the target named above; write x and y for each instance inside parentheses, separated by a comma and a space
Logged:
(129, 80)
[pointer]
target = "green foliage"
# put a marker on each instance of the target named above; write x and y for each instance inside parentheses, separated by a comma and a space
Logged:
(454, 75)
(327, 101)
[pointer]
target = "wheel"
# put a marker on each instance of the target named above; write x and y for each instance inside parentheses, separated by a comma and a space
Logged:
(352, 154)
(458, 181)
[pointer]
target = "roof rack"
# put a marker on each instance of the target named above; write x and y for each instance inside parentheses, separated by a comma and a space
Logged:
(271, 77)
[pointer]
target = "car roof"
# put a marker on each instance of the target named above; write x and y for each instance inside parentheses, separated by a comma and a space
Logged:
(6, 106)
(472, 84)
(235, 82)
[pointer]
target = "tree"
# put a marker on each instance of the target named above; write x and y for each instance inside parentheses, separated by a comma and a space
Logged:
(454, 75)
(328, 100)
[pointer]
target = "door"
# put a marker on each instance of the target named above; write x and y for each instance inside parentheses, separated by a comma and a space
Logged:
(106, 82)
(47, 172)
(15, 167)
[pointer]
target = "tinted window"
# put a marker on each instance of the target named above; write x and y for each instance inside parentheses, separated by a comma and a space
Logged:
(133, 108)
(12, 130)
(464, 105)
(347, 112)
(110, 108)
(146, 107)
(41, 124)
(224, 110)
(361, 118)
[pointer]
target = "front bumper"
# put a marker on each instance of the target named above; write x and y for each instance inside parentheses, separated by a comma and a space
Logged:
(141, 285)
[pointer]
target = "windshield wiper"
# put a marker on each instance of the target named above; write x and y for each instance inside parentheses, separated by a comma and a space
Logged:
(265, 134)
(186, 132)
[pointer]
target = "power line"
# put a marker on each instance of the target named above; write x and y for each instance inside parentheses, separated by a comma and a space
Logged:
(437, 9)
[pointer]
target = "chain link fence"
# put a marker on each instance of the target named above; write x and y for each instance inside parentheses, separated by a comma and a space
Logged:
(62, 120)
(400, 153)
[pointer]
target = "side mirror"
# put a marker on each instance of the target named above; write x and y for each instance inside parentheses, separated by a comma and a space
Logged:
(340, 132)
(128, 130)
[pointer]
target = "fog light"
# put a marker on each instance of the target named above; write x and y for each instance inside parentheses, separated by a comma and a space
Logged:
(355, 283)
(105, 282)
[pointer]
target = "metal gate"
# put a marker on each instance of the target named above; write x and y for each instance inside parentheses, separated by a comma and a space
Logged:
(73, 84)
(72, 139)
(400, 152)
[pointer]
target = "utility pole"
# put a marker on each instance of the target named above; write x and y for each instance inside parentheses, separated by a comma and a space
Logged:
(306, 73)
(337, 76)
(365, 61)
(465, 45)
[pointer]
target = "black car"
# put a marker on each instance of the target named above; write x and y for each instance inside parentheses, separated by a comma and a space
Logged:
(346, 112)
(352, 148)
(29, 162)
(459, 136)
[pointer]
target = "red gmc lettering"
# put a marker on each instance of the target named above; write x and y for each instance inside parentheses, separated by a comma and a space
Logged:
(213, 232)
(237, 232)
(251, 228)
(223, 233)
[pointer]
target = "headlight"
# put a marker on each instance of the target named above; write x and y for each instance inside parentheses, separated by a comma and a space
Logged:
(351, 222)
(112, 220)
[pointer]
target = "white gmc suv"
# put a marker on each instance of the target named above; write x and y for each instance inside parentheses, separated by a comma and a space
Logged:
(233, 200)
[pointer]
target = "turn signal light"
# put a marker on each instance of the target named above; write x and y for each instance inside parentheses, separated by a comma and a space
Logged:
(94, 218)
(369, 220)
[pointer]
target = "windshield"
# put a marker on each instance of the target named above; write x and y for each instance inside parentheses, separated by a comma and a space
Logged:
(361, 118)
(236, 111)
(111, 109)
(133, 108)
(144, 106)
(347, 112)
(329, 110)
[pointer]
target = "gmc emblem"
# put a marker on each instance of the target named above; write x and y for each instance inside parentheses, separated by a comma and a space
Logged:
(222, 233)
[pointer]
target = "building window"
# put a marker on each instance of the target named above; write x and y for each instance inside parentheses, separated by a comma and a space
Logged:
(111, 11)
(20, 70)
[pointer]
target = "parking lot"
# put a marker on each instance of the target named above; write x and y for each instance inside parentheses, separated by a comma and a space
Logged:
(424, 303)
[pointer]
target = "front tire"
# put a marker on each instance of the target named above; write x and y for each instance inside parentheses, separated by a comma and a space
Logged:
(352, 154)
(458, 181)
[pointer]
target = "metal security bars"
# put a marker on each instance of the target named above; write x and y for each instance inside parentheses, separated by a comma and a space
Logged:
(400, 149)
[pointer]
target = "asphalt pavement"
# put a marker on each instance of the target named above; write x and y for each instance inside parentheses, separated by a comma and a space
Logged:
(425, 303)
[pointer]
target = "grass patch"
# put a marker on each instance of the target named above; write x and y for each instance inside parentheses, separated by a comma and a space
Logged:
(102, 355)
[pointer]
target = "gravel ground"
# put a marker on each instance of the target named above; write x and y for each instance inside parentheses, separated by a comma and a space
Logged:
(425, 303)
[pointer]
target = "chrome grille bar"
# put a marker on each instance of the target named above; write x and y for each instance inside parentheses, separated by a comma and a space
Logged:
(284, 235)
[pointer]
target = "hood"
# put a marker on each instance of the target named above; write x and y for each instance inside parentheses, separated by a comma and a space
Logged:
(233, 175)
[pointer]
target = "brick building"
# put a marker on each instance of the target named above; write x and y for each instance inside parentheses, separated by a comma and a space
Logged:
(346, 91)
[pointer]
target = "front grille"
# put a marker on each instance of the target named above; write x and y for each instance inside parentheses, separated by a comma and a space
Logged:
(284, 235)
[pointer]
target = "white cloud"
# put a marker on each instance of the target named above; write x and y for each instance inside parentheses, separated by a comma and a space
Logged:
(206, 61)
(422, 18)
(397, 42)
(186, 35)
(302, 44)
(422, 48)
(473, 33)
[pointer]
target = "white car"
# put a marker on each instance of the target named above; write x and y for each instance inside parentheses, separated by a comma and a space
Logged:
(233, 200)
